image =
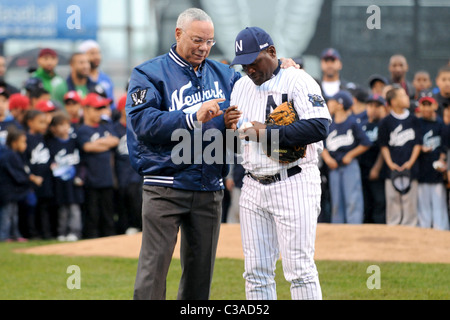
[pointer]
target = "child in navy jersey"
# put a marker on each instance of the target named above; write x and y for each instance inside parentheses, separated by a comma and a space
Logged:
(38, 159)
(15, 184)
(68, 186)
(400, 142)
(372, 165)
(432, 208)
(129, 181)
(96, 140)
(72, 104)
(346, 141)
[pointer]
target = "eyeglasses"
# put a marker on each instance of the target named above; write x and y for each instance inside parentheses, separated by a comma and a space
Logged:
(199, 41)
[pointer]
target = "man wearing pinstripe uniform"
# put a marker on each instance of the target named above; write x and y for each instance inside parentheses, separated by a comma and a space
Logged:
(280, 202)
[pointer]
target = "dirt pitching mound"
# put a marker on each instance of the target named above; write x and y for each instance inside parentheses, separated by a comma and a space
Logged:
(333, 242)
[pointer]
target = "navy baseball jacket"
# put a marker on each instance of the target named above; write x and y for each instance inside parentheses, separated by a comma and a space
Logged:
(164, 95)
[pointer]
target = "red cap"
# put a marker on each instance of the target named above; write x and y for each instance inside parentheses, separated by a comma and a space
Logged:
(45, 106)
(18, 101)
(427, 98)
(122, 102)
(72, 95)
(96, 101)
(47, 51)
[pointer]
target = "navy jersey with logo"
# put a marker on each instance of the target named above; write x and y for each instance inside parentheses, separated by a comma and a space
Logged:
(432, 133)
(344, 137)
(65, 165)
(400, 134)
(99, 173)
(39, 160)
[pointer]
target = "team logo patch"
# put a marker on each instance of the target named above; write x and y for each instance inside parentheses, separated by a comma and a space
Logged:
(139, 97)
(316, 100)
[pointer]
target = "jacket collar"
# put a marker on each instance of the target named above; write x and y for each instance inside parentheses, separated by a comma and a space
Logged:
(179, 60)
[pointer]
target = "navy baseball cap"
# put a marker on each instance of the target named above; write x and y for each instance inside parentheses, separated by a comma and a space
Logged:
(376, 98)
(343, 97)
(249, 43)
(330, 53)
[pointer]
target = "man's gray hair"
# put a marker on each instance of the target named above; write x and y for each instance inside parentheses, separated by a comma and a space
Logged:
(190, 15)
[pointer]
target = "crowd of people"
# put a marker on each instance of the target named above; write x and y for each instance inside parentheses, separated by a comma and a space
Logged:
(64, 167)
(65, 171)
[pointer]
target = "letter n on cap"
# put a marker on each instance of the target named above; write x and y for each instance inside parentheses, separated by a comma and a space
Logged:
(239, 46)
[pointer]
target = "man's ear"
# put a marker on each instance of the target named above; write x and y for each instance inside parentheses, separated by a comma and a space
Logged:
(178, 33)
(272, 51)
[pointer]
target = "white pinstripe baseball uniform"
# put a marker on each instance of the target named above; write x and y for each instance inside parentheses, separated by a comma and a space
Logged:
(280, 217)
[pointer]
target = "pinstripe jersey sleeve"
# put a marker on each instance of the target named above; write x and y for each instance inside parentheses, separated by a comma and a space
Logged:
(307, 97)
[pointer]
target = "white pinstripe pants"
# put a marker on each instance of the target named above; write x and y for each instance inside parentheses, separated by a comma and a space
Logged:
(281, 218)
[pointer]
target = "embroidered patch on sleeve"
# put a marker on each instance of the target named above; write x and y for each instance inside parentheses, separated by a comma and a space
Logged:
(316, 100)
(138, 97)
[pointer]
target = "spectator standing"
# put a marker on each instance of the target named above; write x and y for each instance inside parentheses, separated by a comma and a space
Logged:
(15, 183)
(47, 62)
(72, 104)
(38, 159)
(93, 51)
(359, 107)
(373, 172)
(67, 183)
(18, 106)
(346, 141)
(331, 66)
(377, 83)
(400, 141)
(443, 96)
(8, 87)
(96, 141)
(421, 82)
(78, 79)
(129, 181)
(432, 203)
(398, 68)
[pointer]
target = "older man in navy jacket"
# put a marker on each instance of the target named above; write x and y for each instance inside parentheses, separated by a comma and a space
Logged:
(178, 90)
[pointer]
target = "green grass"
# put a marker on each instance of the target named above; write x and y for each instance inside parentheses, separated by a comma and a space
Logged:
(24, 276)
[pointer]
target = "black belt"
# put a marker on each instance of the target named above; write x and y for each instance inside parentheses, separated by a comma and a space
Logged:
(277, 177)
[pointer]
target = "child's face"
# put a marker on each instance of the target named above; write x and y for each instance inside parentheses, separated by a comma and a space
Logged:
(443, 82)
(18, 114)
(377, 87)
(401, 99)
(93, 115)
(20, 145)
(4, 105)
(39, 124)
(61, 130)
(333, 106)
(374, 111)
(427, 109)
(422, 81)
(73, 108)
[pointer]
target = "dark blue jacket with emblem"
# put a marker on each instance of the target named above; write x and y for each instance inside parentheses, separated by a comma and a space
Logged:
(164, 95)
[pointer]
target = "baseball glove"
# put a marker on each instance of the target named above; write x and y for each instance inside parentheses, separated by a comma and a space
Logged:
(283, 115)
